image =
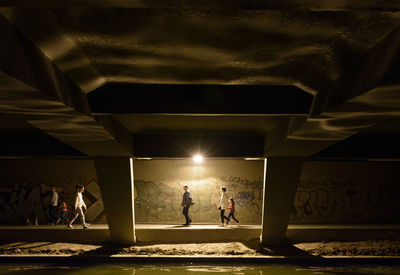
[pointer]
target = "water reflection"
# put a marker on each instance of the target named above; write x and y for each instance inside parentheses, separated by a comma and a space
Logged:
(197, 269)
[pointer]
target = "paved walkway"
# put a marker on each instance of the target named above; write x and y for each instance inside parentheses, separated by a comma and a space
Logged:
(214, 226)
(137, 226)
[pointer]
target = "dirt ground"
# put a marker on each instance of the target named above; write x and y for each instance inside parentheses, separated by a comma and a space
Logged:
(364, 248)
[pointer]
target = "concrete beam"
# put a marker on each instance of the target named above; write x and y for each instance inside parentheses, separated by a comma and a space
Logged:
(281, 175)
(115, 175)
(208, 4)
(38, 91)
(125, 98)
(363, 76)
(22, 60)
(56, 119)
(182, 144)
(41, 28)
(341, 122)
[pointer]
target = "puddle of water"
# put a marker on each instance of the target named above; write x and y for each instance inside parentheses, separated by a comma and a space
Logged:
(133, 269)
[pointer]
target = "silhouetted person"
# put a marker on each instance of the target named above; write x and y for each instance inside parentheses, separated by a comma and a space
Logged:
(223, 203)
(186, 203)
(53, 206)
(80, 206)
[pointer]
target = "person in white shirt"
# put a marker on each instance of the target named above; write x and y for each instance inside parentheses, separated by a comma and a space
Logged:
(80, 206)
(53, 206)
(223, 204)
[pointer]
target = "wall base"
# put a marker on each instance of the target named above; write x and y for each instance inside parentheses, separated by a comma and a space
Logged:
(156, 233)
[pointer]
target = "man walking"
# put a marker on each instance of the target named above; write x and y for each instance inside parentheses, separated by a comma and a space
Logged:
(186, 203)
(223, 203)
(53, 206)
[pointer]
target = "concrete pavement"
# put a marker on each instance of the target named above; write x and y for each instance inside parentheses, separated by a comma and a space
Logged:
(200, 233)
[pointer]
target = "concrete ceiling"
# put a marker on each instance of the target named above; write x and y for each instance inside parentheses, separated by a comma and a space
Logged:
(140, 73)
(224, 46)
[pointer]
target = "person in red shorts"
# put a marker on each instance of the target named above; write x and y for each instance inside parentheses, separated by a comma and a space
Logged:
(64, 210)
(231, 208)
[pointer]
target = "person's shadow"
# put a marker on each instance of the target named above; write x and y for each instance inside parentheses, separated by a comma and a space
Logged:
(179, 226)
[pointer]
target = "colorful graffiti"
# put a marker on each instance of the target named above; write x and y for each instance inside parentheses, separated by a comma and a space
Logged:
(23, 202)
(161, 202)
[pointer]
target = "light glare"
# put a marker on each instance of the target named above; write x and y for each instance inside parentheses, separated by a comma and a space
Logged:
(197, 158)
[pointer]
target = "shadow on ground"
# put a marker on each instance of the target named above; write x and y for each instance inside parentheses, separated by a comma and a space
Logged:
(284, 249)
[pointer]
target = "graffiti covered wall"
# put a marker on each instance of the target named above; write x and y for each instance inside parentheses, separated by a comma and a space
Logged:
(348, 192)
(25, 186)
(159, 183)
(328, 192)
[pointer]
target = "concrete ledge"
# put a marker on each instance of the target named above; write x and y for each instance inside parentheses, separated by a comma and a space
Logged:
(209, 233)
(317, 233)
(54, 234)
(228, 260)
(157, 233)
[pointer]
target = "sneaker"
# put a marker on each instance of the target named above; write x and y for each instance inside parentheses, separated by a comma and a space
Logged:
(221, 225)
(85, 227)
(69, 226)
(186, 224)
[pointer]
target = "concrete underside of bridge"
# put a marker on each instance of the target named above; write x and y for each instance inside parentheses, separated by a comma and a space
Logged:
(114, 80)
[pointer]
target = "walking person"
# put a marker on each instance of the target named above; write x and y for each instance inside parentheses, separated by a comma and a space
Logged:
(231, 208)
(186, 203)
(223, 203)
(80, 206)
(53, 206)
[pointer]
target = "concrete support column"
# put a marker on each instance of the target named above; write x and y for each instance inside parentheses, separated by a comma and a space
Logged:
(115, 175)
(281, 176)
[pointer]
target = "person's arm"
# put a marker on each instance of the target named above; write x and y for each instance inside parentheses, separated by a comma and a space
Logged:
(83, 203)
(76, 199)
(220, 200)
(226, 200)
(185, 199)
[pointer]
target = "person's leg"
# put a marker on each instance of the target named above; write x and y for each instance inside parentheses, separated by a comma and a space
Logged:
(76, 214)
(229, 218)
(80, 211)
(185, 212)
(50, 214)
(63, 213)
(233, 217)
(223, 217)
(54, 212)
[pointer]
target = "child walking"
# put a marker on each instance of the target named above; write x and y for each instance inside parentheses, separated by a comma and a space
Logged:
(231, 208)
(64, 210)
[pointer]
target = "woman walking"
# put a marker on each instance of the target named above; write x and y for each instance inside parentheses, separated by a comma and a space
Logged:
(80, 206)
